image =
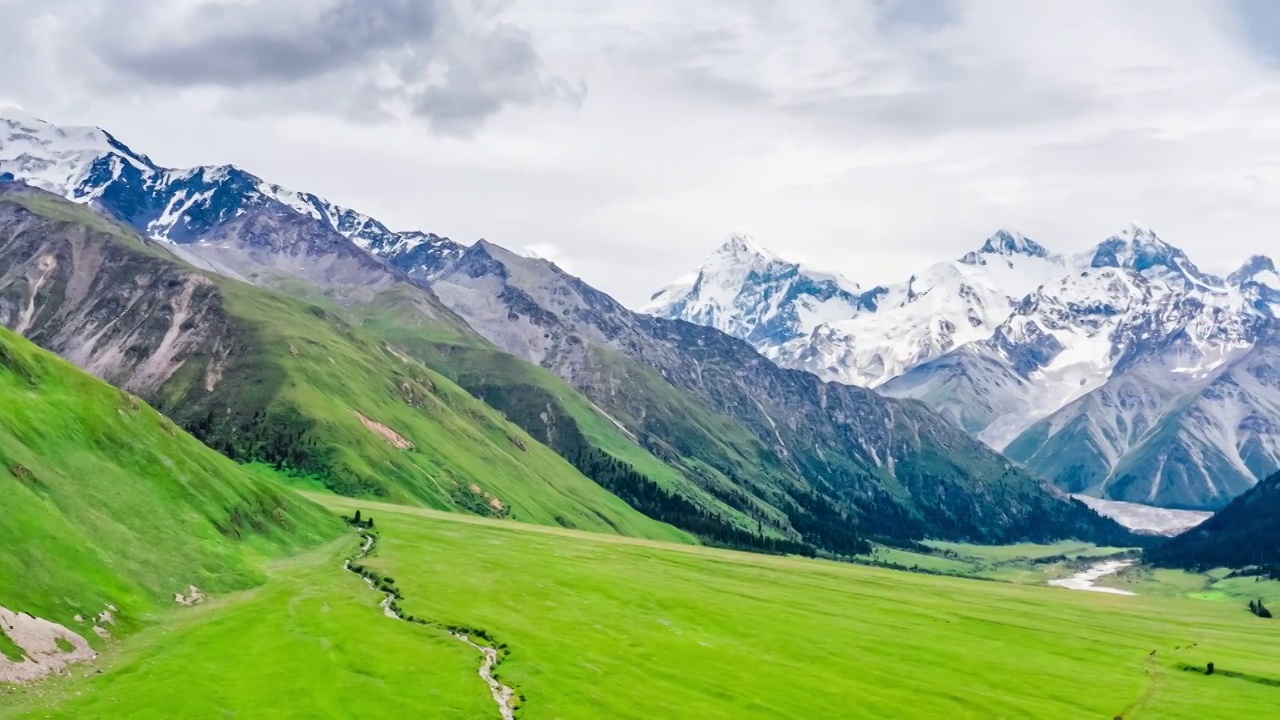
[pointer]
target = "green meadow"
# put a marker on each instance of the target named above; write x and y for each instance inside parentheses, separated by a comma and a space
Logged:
(608, 626)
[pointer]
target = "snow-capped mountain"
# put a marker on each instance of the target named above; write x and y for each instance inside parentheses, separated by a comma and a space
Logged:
(819, 462)
(1042, 355)
(746, 291)
(183, 206)
(829, 326)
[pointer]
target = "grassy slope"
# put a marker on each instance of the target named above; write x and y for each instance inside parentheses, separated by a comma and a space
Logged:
(333, 370)
(106, 501)
(1245, 532)
(478, 366)
(605, 626)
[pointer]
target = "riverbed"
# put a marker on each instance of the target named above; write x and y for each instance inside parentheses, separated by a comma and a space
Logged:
(1087, 579)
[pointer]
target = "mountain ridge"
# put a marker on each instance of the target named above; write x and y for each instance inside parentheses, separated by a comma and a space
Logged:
(1012, 334)
(895, 466)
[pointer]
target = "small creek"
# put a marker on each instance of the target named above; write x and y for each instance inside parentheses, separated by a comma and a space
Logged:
(1086, 579)
(503, 695)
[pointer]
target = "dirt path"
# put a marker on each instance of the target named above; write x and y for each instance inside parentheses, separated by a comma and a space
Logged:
(1154, 684)
(503, 695)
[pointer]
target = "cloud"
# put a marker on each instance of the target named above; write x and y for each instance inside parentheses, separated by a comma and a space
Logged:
(253, 45)
(871, 137)
(549, 252)
(454, 63)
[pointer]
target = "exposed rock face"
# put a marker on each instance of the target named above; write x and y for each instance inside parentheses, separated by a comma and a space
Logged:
(132, 317)
(39, 640)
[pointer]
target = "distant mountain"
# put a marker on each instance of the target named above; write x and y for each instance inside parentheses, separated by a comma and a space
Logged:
(1124, 372)
(789, 440)
(701, 430)
(833, 328)
(746, 291)
(1245, 532)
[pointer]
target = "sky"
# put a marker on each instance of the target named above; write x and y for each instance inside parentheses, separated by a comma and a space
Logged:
(626, 140)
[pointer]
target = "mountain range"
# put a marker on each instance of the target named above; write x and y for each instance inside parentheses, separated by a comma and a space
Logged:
(279, 327)
(1123, 372)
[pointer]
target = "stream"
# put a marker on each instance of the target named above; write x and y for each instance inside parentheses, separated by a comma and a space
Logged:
(1085, 579)
(503, 695)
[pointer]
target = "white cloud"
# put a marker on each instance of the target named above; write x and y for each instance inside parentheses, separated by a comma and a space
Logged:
(549, 252)
(867, 137)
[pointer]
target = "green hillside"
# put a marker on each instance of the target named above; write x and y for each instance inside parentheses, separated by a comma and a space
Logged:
(1244, 533)
(606, 626)
(263, 377)
(105, 501)
(561, 417)
(313, 390)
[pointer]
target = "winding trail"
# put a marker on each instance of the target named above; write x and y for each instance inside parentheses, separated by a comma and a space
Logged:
(1155, 682)
(503, 695)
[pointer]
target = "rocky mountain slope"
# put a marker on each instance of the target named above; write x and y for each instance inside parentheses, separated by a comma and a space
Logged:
(222, 217)
(262, 376)
(708, 422)
(899, 469)
(242, 227)
(1087, 368)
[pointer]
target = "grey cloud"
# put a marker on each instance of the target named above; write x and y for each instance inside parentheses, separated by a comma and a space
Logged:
(926, 15)
(951, 106)
(451, 63)
(247, 47)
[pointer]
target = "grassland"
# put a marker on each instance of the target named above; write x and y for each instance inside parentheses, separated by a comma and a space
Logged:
(1023, 563)
(607, 626)
(311, 643)
(104, 501)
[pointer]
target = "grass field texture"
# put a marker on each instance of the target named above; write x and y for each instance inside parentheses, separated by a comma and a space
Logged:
(605, 626)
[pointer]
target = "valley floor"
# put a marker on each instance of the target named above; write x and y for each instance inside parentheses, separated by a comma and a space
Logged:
(604, 626)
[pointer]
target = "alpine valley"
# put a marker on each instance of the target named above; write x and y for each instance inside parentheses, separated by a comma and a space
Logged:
(263, 456)
(228, 286)
(1123, 372)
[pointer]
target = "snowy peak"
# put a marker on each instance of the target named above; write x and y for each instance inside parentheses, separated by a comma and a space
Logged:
(750, 292)
(55, 158)
(89, 165)
(1139, 249)
(1013, 341)
(20, 127)
(1260, 269)
(742, 247)
(729, 265)
(1006, 243)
